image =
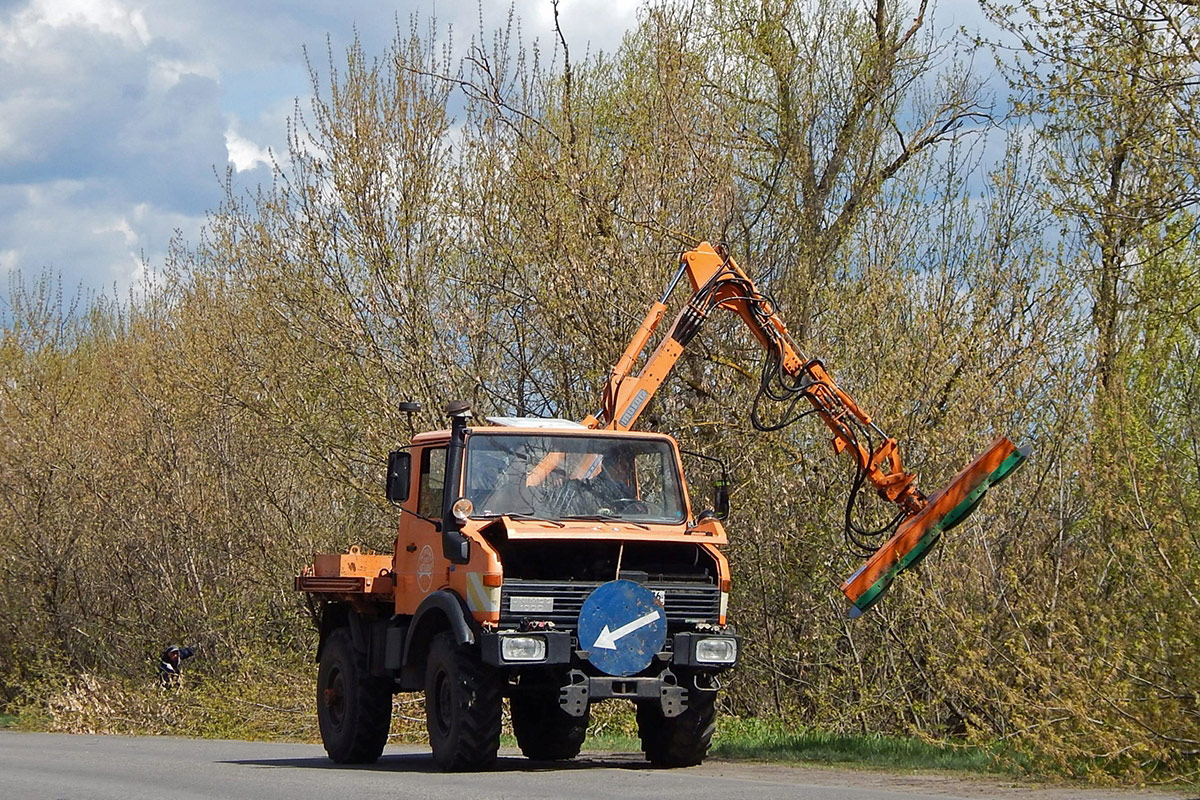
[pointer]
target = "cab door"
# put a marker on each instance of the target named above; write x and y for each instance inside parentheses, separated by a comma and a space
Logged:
(420, 567)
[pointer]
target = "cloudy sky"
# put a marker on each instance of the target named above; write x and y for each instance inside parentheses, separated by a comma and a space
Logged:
(117, 116)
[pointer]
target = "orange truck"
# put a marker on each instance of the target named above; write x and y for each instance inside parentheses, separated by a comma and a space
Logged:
(559, 563)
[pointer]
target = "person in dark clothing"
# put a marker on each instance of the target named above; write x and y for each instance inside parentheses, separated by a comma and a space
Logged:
(170, 664)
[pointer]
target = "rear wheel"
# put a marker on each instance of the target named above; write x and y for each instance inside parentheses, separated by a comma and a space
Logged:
(462, 707)
(544, 731)
(354, 708)
(680, 741)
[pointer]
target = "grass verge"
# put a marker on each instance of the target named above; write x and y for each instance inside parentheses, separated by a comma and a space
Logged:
(614, 729)
(764, 740)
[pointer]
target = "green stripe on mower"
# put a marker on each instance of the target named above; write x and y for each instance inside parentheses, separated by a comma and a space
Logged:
(1010, 464)
(921, 549)
(971, 501)
(968, 504)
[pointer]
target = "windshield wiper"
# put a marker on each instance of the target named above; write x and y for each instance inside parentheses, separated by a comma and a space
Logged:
(605, 518)
(533, 518)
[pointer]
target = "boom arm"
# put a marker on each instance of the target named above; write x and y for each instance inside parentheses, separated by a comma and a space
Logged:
(718, 282)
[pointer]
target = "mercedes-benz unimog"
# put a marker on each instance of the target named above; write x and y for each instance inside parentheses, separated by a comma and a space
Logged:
(559, 564)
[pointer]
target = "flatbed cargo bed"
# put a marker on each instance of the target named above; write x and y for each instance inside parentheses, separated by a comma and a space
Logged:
(341, 575)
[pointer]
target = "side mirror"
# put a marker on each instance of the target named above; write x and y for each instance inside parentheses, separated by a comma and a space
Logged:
(399, 469)
(721, 499)
(456, 547)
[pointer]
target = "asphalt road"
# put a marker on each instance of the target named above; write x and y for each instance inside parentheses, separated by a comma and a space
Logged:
(63, 767)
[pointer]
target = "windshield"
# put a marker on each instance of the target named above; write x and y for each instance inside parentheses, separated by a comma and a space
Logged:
(573, 477)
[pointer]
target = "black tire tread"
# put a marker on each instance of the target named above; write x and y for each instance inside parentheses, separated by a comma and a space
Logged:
(475, 738)
(544, 731)
(369, 705)
(681, 741)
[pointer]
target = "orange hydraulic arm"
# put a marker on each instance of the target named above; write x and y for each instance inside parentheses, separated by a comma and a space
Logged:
(718, 282)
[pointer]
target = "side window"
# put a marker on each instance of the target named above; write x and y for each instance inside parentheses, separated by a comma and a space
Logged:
(433, 476)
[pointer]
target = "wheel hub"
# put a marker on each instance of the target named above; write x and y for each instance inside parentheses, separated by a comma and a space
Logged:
(335, 698)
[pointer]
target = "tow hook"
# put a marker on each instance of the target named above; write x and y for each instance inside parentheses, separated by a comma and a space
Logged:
(573, 698)
(672, 696)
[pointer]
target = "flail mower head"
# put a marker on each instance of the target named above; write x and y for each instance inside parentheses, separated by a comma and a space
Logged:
(917, 534)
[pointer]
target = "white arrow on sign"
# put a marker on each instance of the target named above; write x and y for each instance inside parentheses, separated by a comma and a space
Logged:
(607, 640)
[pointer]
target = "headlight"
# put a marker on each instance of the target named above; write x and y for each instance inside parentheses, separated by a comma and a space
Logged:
(716, 651)
(523, 648)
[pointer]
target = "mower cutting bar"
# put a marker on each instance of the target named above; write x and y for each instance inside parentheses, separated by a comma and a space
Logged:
(917, 534)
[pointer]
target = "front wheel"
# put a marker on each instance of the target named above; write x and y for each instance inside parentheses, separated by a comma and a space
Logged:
(544, 731)
(354, 708)
(462, 707)
(680, 741)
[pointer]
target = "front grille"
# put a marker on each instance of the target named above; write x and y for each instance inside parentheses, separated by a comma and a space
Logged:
(684, 602)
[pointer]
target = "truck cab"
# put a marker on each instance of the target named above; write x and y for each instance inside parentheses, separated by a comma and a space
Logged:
(537, 560)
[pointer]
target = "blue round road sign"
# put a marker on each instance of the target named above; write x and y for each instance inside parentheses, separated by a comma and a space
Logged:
(622, 626)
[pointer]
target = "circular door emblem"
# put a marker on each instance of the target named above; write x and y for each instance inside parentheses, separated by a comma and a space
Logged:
(622, 626)
(425, 569)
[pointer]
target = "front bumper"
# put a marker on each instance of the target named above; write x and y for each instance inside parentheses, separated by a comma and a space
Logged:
(675, 673)
(691, 649)
(671, 691)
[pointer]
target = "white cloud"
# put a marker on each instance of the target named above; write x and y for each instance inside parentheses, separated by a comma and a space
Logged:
(81, 230)
(8, 261)
(109, 136)
(122, 227)
(243, 153)
(33, 25)
(166, 72)
(587, 25)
